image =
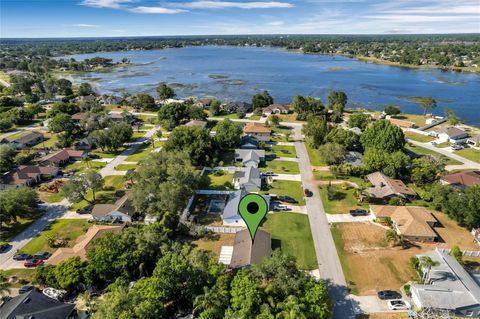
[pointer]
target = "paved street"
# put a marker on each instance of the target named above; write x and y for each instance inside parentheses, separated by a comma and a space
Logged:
(327, 257)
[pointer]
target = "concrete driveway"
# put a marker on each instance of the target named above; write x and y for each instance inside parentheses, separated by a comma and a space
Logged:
(347, 218)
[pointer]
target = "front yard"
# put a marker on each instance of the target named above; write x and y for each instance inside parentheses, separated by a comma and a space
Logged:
(316, 158)
(291, 233)
(81, 166)
(282, 150)
(11, 230)
(104, 196)
(470, 153)
(425, 151)
(419, 137)
(341, 199)
(142, 152)
(218, 180)
(281, 167)
(287, 188)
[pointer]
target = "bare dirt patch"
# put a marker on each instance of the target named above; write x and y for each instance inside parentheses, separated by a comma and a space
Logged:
(214, 242)
(454, 235)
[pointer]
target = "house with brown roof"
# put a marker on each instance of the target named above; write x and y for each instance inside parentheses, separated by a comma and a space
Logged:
(121, 211)
(62, 157)
(26, 175)
(246, 253)
(414, 223)
(276, 109)
(461, 179)
(79, 116)
(385, 187)
(258, 130)
(203, 103)
(82, 244)
(25, 140)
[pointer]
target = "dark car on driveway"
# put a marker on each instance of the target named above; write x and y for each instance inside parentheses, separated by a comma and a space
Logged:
(287, 199)
(358, 212)
(43, 255)
(33, 263)
(22, 256)
(25, 289)
(307, 192)
(388, 294)
(4, 248)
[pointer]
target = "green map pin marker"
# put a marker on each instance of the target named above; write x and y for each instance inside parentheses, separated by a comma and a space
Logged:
(253, 208)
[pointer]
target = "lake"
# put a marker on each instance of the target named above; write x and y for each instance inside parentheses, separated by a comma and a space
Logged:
(236, 73)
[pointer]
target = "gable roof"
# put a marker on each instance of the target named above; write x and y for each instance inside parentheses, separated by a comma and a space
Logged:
(34, 304)
(385, 186)
(249, 178)
(452, 132)
(230, 211)
(82, 244)
(463, 178)
(273, 107)
(248, 140)
(410, 220)
(25, 138)
(256, 128)
(122, 205)
(249, 155)
(79, 116)
(62, 155)
(25, 173)
(246, 253)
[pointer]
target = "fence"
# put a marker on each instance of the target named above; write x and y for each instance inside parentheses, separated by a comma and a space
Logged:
(227, 230)
(468, 253)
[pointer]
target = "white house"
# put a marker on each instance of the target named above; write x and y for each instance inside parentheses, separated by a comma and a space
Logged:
(451, 134)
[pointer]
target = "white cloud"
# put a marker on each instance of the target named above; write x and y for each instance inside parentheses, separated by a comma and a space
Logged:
(84, 25)
(156, 10)
(275, 23)
(115, 4)
(231, 4)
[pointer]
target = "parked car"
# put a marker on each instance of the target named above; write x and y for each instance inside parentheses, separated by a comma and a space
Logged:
(281, 208)
(358, 212)
(34, 262)
(43, 255)
(25, 289)
(287, 199)
(54, 293)
(307, 192)
(398, 305)
(4, 248)
(22, 256)
(83, 211)
(457, 147)
(388, 294)
(268, 173)
(433, 143)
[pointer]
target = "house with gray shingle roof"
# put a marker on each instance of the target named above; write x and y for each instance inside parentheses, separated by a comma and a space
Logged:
(25, 140)
(249, 157)
(248, 179)
(230, 215)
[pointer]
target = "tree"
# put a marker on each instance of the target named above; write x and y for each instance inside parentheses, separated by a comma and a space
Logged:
(193, 140)
(228, 134)
(359, 120)
(165, 92)
(119, 133)
(196, 113)
(457, 254)
(5, 124)
(392, 164)
(336, 98)
(76, 188)
(68, 273)
(142, 101)
(171, 114)
(391, 110)
(214, 107)
(61, 122)
(383, 135)
(425, 170)
(346, 138)
(333, 153)
(261, 100)
(316, 130)
(246, 296)
(451, 116)
(307, 106)
(427, 103)
(64, 87)
(7, 154)
(85, 89)
(16, 202)
(275, 120)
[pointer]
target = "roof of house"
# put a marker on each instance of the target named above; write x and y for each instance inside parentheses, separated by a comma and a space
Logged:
(79, 116)
(410, 220)
(246, 253)
(238, 107)
(353, 158)
(475, 139)
(249, 155)
(249, 139)
(256, 128)
(449, 285)
(82, 244)
(62, 155)
(26, 172)
(122, 205)
(463, 178)
(452, 132)
(25, 138)
(385, 186)
(202, 124)
(249, 177)
(34, 304)
(273, 107)
(231, 207)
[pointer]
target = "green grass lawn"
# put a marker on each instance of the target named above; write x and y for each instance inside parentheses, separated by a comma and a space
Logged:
(11, 230)
(281, 167)
(443, 145)
(424, 151)
(106, 195)
(419, 137)
(125, 167)
(470, 153)
(328, 175)
(103, 154)
(288, 188)
(342, 201)
(69, 229)
(282, 150)
(218, 180)
(254, 117)
(136, 135)
(80, 166)
(291, 233)
(52, 197)
(24, 276)
(342, 255)
(49, 142)
(316, 158)
(141, 153)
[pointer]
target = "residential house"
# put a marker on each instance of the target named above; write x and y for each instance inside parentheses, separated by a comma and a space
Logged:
(474, 141)
(77, 117)
(400, 123)
(447, 286)
(258, 130)
(118, 117)
(238, 107)
(84, 144)
(82, 244)
(249, 142)
(353, 158)
(247, 252)
(276, 109)
(202, 124)
(35, 305)
(248, 179)
(230, 215)
(26, 175)
(62, 157)
(385, 187)
(451, 134)
(111, 100)
(462, 179)
(414, 223)
(250, 157)
(26, 140)
(205, 103)
(122, 211)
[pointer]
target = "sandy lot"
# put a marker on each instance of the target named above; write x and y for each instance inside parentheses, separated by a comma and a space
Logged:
(215, 242)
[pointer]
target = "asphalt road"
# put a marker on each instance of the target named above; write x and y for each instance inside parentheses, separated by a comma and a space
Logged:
(327, 257)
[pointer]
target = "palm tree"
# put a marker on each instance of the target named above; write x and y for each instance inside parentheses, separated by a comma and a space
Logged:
(87, 161)
(426, 263)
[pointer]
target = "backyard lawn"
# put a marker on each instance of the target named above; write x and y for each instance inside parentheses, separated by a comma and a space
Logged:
(291, 233)
(282, 150)
(341, 200)
(419, 137)
(424, 151)
(68, 229)
(316, 159)
(281, 167)
(287, 188)
(470, 153)
(218, 180)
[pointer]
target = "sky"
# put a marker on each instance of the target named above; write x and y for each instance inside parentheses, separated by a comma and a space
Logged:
(100, 18)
